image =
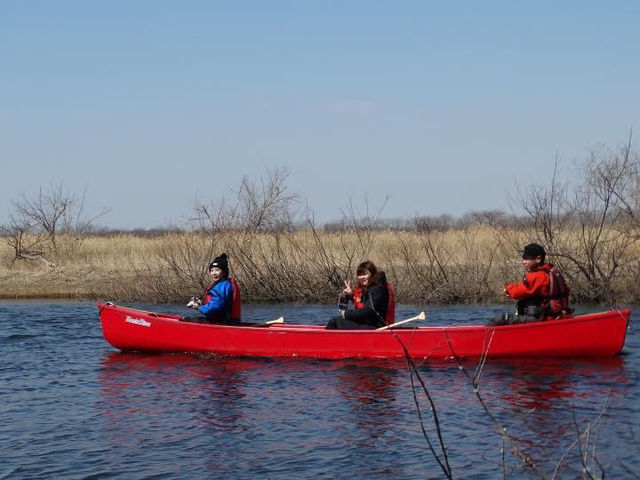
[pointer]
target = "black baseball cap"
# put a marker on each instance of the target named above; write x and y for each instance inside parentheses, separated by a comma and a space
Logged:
(533, 250)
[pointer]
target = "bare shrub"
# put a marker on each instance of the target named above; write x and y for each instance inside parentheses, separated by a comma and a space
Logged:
(264, 204)
(445, 267)
(27, 242)
(275, 268)
(46, 210)
(36, 221)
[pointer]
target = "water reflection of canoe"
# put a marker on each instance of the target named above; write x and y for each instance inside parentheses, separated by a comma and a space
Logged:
(592, 335)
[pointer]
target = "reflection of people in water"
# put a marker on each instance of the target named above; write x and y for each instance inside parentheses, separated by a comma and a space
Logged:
(551, 400)
(370, 391)
(541, 385)
(136, 386)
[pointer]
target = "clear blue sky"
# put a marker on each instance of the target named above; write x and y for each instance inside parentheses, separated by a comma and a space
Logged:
(440, 105)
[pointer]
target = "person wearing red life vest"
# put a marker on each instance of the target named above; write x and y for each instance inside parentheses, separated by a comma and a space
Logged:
(542, 293)
(221, 302)
(372, 298)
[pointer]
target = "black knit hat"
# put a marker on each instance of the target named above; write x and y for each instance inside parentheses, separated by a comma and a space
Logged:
(532, 251)
(220, 262)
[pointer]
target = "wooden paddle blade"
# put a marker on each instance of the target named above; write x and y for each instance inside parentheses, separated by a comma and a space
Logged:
(273, 322)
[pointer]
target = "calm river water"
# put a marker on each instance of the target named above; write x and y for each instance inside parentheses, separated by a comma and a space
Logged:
(71, 406)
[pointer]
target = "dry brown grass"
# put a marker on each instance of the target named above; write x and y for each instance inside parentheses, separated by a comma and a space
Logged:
(462, 265)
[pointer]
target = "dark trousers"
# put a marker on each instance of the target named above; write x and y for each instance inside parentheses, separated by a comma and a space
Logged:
(512, 318)
(339, 323)
(203, 319)
(525, 314)
(194, 319)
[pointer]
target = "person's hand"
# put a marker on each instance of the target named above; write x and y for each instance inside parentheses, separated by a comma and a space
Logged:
(192, 302)
(347, 288)
(504, 290)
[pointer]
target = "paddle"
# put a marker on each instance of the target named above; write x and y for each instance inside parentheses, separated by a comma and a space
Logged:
(273, 322)
(420, 316)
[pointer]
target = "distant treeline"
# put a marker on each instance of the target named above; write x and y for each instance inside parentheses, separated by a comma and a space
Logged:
(438, 223)
(422, 223)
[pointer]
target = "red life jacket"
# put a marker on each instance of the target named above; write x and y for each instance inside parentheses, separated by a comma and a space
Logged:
(357, 297)
(391, 306)
(236, 300)
(558, 300)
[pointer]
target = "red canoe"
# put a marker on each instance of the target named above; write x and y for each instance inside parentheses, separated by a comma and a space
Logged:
(591, 335)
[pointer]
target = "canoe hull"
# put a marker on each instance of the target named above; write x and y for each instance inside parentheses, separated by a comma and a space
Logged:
(593, 335)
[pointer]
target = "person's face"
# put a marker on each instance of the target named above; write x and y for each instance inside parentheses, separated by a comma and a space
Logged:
(216, 273)
(531, 263)
(364, 278)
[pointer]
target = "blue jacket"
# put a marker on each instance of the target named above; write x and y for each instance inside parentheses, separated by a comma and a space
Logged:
(218, 308)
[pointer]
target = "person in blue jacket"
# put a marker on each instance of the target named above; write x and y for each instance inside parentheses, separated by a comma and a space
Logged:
(215, 307)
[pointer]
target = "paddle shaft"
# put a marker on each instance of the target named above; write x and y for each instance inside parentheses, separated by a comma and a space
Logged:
(420, 316)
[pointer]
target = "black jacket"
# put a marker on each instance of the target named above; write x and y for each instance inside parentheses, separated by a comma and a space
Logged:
(376, 301)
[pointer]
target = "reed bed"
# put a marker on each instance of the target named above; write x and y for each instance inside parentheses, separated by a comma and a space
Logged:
(462, 265)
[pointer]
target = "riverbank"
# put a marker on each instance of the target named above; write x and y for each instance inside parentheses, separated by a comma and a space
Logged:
(466, 265)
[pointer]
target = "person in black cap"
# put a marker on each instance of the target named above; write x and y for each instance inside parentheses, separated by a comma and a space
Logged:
(216, 306)
(535, 299)
(222, 264)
